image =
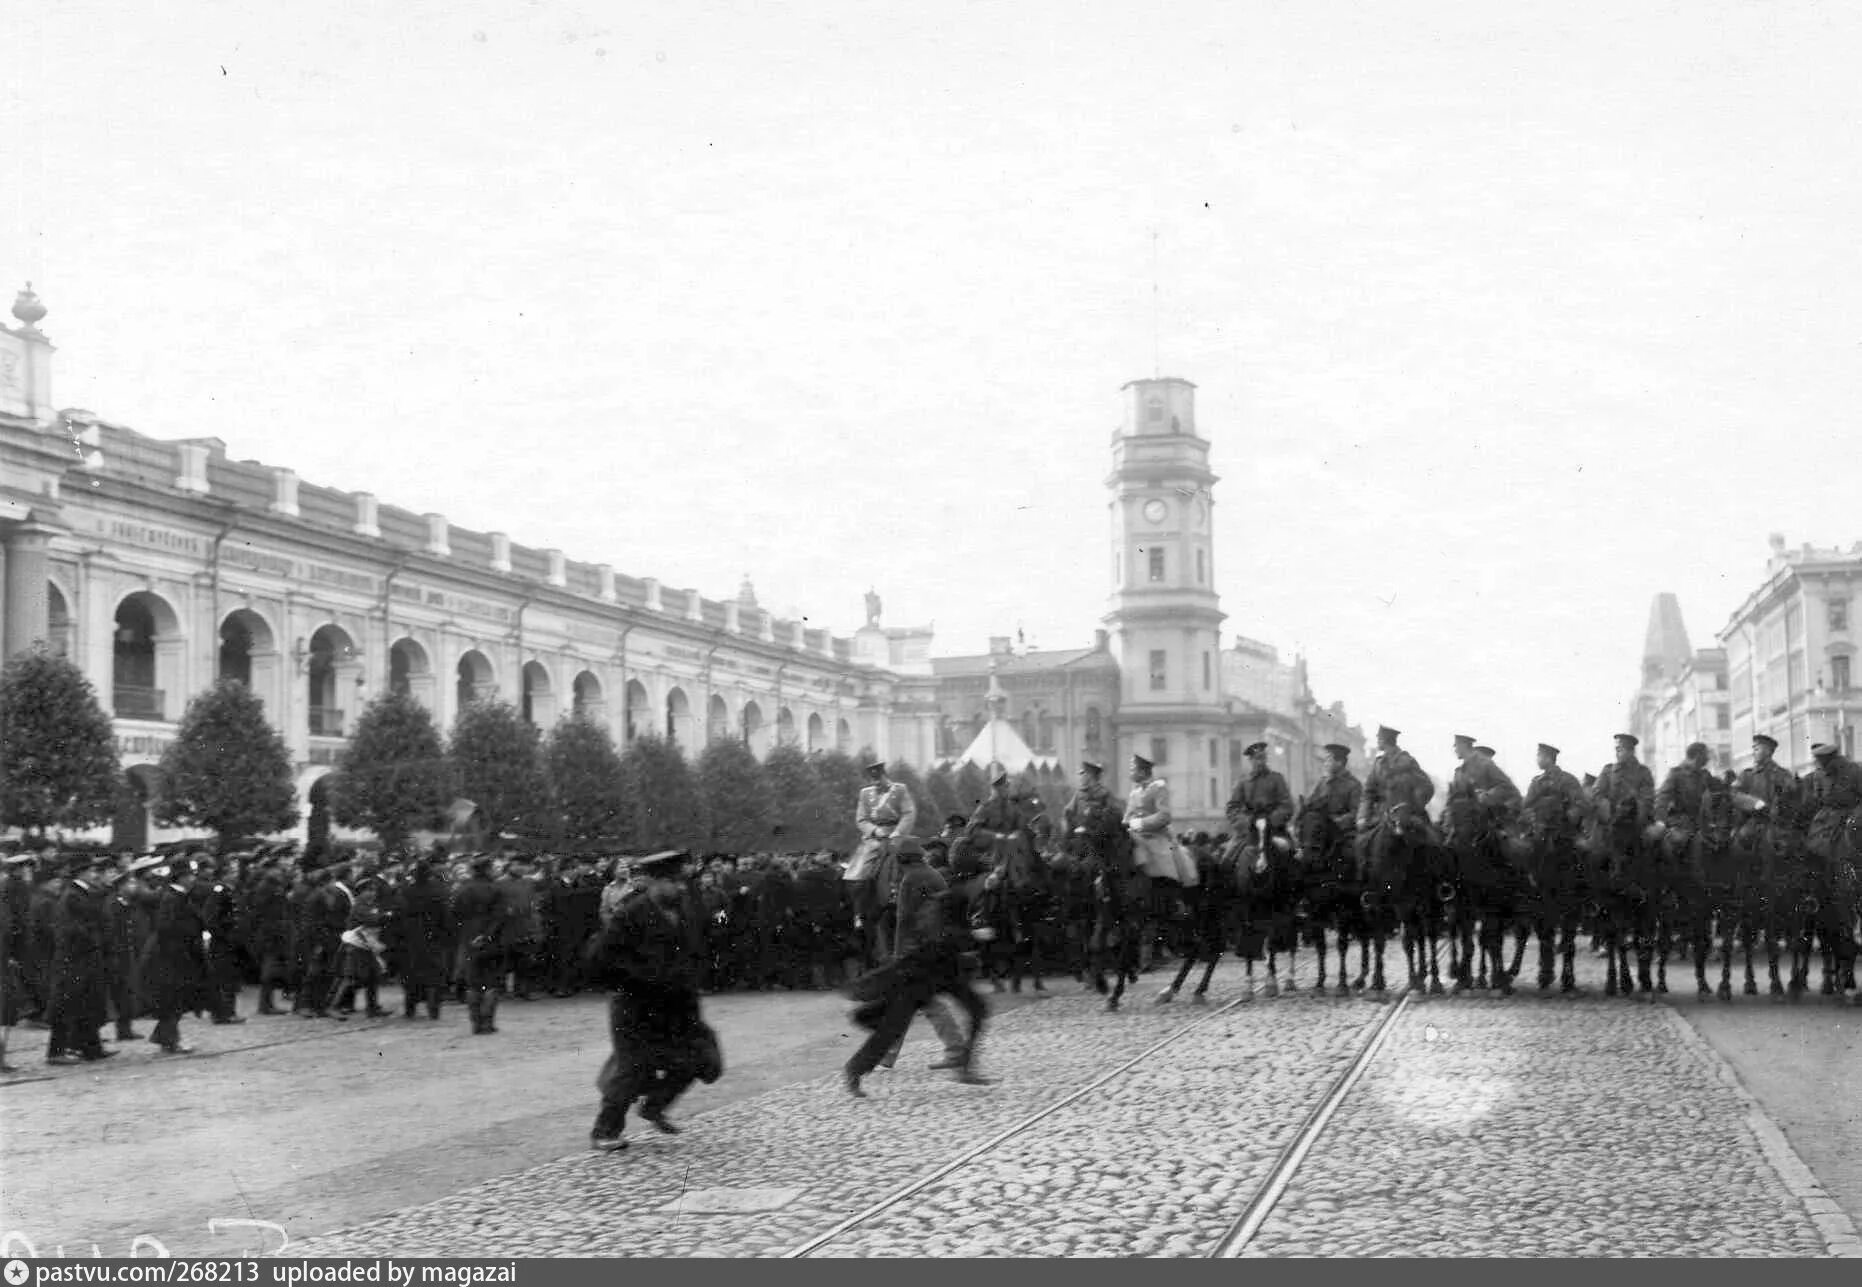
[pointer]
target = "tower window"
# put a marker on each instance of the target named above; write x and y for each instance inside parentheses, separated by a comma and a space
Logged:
(1213, 752)
(1201, 571)
(1839, 673)
(1157, 670)
(1157, 562)
(1154, 412)
(1839, 614)
(1160, 750)
(1206, 687)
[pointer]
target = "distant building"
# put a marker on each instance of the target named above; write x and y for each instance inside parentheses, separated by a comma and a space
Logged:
(1790, 654)
(1683, 697)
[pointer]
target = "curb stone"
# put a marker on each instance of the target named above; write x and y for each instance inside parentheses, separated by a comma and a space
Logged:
(1838, 1231)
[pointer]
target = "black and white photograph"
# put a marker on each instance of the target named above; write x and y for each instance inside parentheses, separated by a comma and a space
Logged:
(647, 629)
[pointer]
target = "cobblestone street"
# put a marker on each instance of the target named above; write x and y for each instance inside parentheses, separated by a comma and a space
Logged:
(1481, 1126)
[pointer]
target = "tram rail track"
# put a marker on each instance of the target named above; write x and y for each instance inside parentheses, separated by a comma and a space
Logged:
(1238, 1232)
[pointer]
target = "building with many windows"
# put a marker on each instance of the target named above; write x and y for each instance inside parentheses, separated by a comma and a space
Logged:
(1684, 696)
(1790, 655)
(160, 566)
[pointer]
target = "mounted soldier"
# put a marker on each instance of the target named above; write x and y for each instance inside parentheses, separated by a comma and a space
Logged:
(1833, 792)
(1326, 826)
(1259, 811)
(885, 809)
(1121, 892)
(1624, 800)
(1770, 798)
(1680, 804)
(998, 832)
(1401, 849)
(1481, 801)
(1553, 815)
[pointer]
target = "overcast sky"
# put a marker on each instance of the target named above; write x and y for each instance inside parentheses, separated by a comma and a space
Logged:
(1504, 317)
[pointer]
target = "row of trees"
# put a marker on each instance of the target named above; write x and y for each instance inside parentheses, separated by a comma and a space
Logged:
(228, 771)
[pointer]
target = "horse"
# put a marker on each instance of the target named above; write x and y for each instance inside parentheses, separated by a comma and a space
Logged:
(1834, 841)
(1121, 894)
(1551, 897)
(1721, 893)
(1015, 903)
(1339, 897)
(1211, 901)
(1623, 896)
(1405, 871)
(1270, 903)
(1482, 885)
(1787, 904)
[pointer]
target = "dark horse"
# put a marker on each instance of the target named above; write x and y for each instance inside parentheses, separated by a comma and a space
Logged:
(1405, 872)
(1835, 844)
(1121, 900)
(1338, 895)
(1015, 904)
(1721, 894)
(1787, 903)
(1270, 891)
(1624, 897)
(1483, 893)
(1211, 901)
(1551, 901)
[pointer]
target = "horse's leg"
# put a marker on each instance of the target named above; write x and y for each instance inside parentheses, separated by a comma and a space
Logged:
(1728, 925)
(1272, 988)
(1701, 934)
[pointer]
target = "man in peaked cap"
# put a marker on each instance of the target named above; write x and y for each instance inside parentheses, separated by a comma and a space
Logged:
(483, 919)
(1765, 792)
(885, 809)
(174, 961)
(79, 964)
(999, 833)
(1261, 795)
(1394, 778)
(661, 1043)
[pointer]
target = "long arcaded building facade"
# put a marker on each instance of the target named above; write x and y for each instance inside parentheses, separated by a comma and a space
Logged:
(159, 566)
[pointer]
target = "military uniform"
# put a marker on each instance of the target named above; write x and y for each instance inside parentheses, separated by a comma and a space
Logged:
(1337, 796)
(1262, 794)
(1480, 796)
(1558, 808)
(1557, 803)
(174, 964)
(1777, 789)
(1147, 817)
(1394, 778)
(1681, 796)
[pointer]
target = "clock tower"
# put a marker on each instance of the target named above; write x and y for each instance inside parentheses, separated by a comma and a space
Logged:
(1165, 617)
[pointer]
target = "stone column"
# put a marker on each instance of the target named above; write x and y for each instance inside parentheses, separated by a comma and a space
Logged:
(26, 609)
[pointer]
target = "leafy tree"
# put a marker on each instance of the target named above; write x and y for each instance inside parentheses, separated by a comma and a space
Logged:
(941, 787)
(971, 787)
(58, 762)
(496, 759)
(227, 769)
(583, 772)
(664, 810)
(799, 813)
(735, 793)
(392, 778)
(838, 794)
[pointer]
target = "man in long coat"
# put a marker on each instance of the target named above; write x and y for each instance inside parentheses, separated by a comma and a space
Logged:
(174, 960)
(483, 918)
(646, 956)
(423, 930)
(80, 965)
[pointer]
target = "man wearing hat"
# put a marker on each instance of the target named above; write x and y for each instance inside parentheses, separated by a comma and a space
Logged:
(1625, 790)
(483, 919)
(1625, 802)
(660, 1041)
(1261, 796)
(1558, 807)
(174, 961)
(1683, 792)
(885, 809)
(1767, 793)
(79, 964)
(1395, 778)
(998, 834)
(1147, 818)
(127, 922)
(19, 996)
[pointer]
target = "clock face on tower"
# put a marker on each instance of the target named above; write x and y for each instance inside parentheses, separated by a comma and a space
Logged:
(1155, 511)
